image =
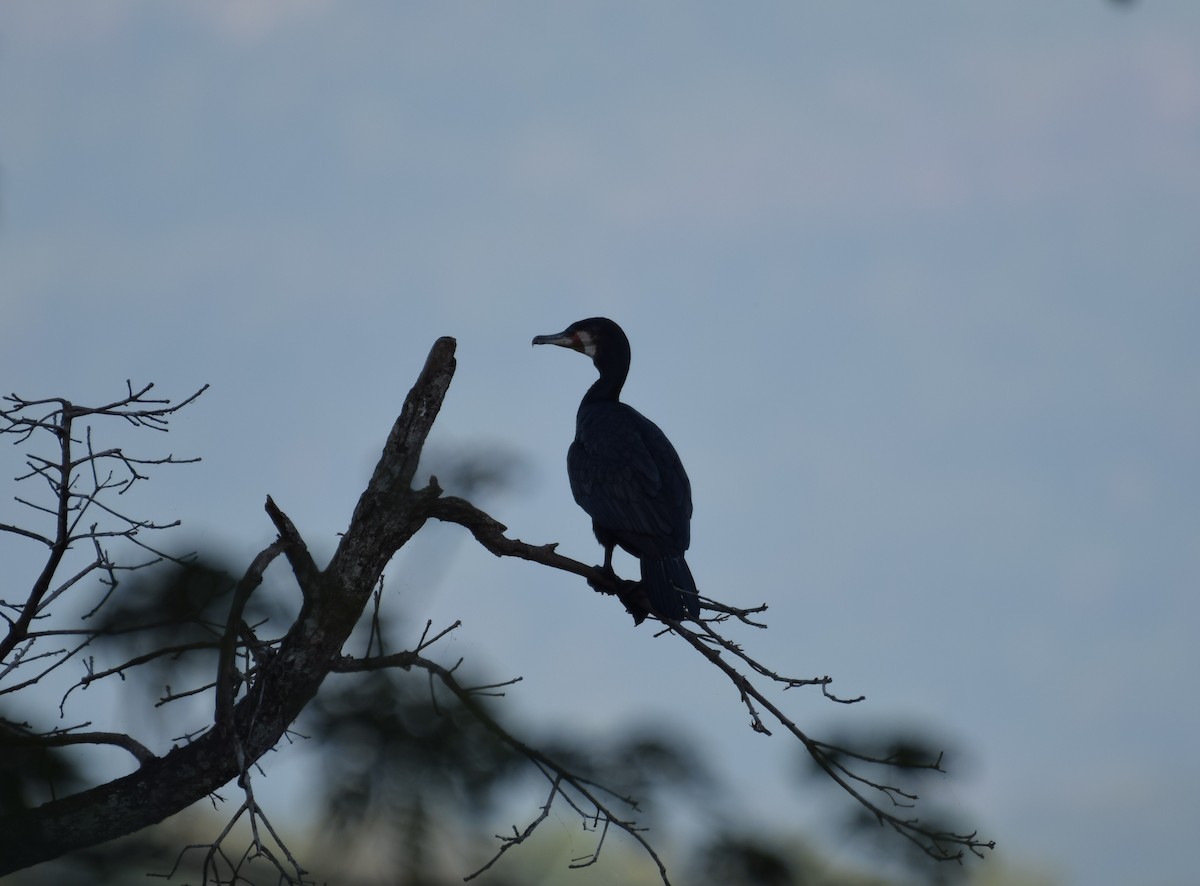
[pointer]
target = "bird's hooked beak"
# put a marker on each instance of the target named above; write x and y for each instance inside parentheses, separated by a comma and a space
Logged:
(576, 340)
(562, 339)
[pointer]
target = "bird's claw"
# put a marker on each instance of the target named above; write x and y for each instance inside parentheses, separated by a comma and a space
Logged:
(629, 592)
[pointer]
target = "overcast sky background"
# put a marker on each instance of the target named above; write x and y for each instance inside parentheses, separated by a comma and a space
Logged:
(912, 287)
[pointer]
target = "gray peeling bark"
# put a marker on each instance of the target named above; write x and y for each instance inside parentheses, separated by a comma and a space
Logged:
(388, 513)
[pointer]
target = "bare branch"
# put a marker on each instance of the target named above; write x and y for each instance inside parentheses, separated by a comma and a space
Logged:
(937, 844)
(66, 476)
(306, 571)
(223, 715)
(16, 735)
(507, 842)
(573, 789)
(176, 650)
(489, 532)
(388, 513)
(710, 644)
(36, 536)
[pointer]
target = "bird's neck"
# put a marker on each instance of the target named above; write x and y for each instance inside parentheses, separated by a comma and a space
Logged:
(606, 389)
(613, 365)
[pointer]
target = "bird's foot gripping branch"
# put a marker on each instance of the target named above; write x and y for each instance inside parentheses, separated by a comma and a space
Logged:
(260, 680)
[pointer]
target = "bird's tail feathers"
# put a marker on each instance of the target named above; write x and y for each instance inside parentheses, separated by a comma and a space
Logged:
(669, 584)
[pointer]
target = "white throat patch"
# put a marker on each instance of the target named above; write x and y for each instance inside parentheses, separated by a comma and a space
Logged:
(587, 344)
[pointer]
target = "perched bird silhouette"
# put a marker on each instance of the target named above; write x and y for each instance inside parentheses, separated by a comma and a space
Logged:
(627, 476)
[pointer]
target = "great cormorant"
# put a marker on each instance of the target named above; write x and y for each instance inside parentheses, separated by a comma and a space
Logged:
(626, 474)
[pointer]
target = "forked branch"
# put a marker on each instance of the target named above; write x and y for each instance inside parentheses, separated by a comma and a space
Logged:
(79, 477)
(281, 677)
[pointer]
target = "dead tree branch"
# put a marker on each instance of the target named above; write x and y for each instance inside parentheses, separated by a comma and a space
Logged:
(19, 735)
(78, 483)
(388, 513)
(580, 794)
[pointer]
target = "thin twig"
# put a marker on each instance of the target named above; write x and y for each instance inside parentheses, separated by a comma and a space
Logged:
(559, 776)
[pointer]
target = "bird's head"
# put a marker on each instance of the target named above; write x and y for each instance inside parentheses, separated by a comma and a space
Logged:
(594, 337)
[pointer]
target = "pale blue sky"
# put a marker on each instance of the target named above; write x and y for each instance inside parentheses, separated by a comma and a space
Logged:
(912, 286)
